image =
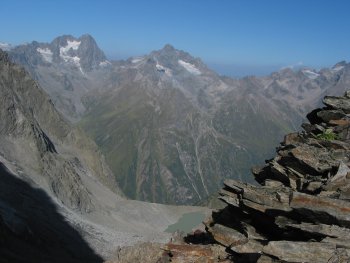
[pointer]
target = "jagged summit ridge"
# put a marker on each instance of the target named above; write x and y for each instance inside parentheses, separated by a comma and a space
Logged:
(67, 68)
(5, 46)
(82, 53)
(178, 61)
(206, 110)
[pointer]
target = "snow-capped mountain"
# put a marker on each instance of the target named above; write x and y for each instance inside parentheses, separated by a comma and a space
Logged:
(66, 68)
(58, 198)
(171, 128)
(5, 46)
(81, 53)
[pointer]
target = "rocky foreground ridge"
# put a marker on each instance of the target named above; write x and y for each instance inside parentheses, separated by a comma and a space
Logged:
(299, 213)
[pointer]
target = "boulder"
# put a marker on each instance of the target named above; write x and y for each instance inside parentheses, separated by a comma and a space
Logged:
(293, 251)
(321, 209)
(338, 103)
(227, 236)
(328, 115)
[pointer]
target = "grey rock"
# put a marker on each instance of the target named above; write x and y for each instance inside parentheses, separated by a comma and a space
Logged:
(333, 231)
(279, 173)
(227, 236)
(322, 209)
(301, 251)
(293, 139)
(313, 186)
(339, 242)
(314, 158)
(267, 259)
(343, 171)
(229, 198)
(273, 183)
(327, 115)
(338, 103)
(252, 246)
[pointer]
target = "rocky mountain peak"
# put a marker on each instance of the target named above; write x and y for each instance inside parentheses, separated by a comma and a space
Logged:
(181, 63)
(62, 40)
(5, 46)
(340, 66)
(168, 48)
(341, 63)
(81, 53)
(91, 56)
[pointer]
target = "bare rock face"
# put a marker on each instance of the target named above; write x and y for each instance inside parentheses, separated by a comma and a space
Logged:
(34, 134)
(301, 210)
(44, 166)
(178, 252)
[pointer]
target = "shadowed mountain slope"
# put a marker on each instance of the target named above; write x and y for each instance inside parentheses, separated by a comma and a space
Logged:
(32, 229)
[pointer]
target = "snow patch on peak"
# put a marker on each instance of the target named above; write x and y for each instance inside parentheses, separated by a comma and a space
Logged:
(74, 44)
(46, 53)
(105, 63)
(5, 46)
(190, 67)
(137, 59)
(310, 74)
(76, 61)
(161, 68)
(337, 68)
(64, 53)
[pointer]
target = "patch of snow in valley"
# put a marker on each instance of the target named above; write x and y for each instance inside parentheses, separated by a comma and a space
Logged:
(189, 67)
(46, 53)
(310, 74)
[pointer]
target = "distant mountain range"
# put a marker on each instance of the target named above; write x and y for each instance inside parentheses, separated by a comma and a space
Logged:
(171, 128)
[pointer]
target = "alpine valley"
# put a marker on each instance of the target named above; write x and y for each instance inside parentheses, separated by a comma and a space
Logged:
(59, 201)
(170, 128)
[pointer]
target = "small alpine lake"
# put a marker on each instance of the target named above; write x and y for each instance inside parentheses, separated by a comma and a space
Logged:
(186, 222)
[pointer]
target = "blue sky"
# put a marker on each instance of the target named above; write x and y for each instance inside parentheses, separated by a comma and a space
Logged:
(251, 37)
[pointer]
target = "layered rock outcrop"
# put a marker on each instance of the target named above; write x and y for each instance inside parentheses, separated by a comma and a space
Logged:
(301, 211)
